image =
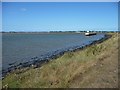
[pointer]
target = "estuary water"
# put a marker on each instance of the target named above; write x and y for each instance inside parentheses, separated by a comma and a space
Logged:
(22, 47)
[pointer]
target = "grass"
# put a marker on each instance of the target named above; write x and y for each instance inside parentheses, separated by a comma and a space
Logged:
(73, 69)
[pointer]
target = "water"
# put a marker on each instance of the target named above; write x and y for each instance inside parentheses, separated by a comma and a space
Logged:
(19, 48)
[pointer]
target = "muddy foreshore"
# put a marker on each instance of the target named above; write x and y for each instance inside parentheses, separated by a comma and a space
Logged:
(38, 61)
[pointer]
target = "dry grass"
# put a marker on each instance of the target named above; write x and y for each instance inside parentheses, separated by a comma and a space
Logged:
(95, 66)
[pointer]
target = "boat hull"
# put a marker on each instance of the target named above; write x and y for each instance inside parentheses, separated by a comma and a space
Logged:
(89, 34)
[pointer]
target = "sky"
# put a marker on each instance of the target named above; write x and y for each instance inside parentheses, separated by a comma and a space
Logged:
(59, 16)
(60, 0)
(0, 16)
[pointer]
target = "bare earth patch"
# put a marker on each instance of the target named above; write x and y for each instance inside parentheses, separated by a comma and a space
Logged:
(103, 74)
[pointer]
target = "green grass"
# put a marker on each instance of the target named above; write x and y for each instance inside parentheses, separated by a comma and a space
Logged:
(61, 71)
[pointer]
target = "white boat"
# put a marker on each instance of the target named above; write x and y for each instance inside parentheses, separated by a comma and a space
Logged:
(90, 33)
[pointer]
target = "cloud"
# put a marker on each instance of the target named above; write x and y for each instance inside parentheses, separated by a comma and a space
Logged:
(23, 9)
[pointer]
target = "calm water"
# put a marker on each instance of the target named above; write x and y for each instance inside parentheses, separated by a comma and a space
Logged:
(22, 47)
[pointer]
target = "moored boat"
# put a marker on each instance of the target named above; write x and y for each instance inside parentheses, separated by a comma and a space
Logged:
(90, 33)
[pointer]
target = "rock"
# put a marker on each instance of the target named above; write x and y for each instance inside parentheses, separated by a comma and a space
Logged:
(5, 86)
(115, 71)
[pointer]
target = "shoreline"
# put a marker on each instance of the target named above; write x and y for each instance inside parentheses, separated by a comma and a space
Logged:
(38, 62)
(95, 66)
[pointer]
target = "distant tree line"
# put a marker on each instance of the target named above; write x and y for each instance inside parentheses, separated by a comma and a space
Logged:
(61, 32)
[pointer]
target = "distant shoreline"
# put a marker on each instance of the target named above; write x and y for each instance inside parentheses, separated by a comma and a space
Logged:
(42, 32)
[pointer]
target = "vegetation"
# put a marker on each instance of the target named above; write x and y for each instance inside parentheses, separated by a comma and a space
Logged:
(94, 66)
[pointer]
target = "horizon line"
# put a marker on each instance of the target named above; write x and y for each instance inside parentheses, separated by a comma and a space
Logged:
(63, 31)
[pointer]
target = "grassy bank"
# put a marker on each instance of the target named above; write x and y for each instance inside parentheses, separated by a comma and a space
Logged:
(94, 66)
